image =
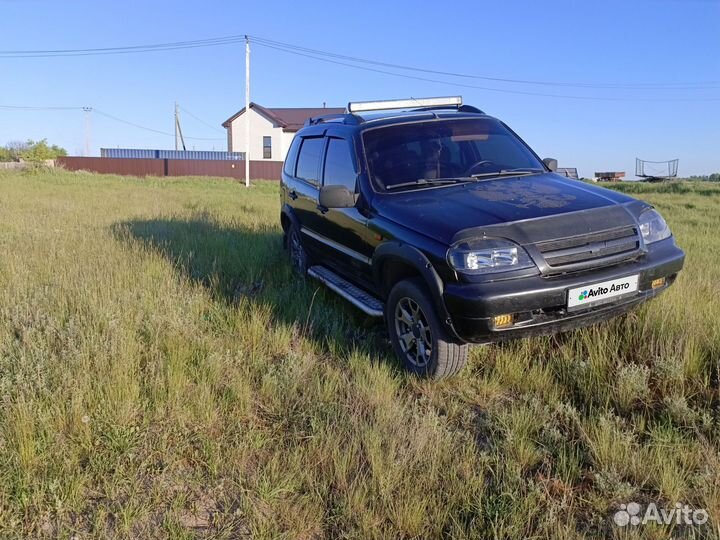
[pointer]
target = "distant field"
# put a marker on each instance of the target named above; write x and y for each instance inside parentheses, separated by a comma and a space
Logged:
(163, 375)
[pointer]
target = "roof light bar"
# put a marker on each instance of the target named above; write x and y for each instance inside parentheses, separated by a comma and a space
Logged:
(411, 103)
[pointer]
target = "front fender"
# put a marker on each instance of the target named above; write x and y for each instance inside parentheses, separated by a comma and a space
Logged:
(413, 257)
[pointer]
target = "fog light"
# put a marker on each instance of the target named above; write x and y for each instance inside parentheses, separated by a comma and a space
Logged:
(501, 321)
(657, 283)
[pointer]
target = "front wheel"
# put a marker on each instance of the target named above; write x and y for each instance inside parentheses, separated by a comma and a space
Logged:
(417, 335)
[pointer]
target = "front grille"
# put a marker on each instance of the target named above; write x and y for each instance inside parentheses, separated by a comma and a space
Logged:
(611, 245)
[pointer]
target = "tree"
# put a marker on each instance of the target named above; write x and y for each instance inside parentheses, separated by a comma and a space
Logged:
(30, 151)
(40, 151)
(15, 148)
(714, 177)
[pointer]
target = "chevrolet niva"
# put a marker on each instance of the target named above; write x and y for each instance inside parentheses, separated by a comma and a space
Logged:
(439, 218)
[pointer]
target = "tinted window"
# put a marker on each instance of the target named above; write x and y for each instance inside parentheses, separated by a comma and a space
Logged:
(447, 149)
(291, 158)
(309, 160)
(339, 165)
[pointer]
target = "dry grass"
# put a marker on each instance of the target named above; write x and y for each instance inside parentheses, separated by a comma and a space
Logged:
(162, 375)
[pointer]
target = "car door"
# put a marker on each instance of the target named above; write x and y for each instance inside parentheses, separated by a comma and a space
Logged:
(304, 192)
(344, 229)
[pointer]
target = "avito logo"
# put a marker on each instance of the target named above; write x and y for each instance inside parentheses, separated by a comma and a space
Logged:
(593, 293)
(599, 291)
(596, 293)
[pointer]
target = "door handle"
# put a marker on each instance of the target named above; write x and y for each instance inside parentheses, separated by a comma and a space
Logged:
(293, 194)
(322, 209)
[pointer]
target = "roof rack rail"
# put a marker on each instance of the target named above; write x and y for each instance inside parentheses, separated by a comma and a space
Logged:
(470, 109)
(410, 103)
(344, 118)
(461, 108)
(413, 104)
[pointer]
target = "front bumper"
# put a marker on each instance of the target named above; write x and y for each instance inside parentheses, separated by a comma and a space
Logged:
(538, 303)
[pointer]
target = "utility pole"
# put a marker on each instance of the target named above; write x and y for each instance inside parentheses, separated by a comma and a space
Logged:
(247, 111)
(88, 130)
(179, 139)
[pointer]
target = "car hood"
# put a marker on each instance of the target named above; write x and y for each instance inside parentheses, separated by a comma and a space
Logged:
(442, 212)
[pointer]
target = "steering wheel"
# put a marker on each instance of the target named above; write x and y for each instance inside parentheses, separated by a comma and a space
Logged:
(450, 168)
(482, 163)
(446, 168)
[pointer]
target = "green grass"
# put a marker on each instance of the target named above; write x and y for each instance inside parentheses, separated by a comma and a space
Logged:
(163, 375)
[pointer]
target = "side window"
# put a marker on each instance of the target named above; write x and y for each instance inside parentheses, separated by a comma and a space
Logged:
(267, 147)
(291, 157)
(309, 160)
(339, 165)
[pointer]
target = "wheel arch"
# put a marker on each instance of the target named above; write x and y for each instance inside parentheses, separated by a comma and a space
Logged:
(395, 261)
(287, 219)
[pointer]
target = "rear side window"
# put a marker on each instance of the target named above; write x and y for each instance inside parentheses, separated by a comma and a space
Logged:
(309, 160)
(291, 158)
(339, 165)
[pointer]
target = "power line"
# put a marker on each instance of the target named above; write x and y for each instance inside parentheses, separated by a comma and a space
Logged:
(477, 87)
(152, 130)
(30, 108)
(239, 38)
(155, 47)
(104, 114)
(639, 86)
(208, 124)
(133, 124)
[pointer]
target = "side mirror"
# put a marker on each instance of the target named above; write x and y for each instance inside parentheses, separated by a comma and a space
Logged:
(336, 197)
(550, 163)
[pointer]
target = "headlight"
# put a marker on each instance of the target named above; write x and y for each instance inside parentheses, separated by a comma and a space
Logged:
(653, 226)
(484, 256)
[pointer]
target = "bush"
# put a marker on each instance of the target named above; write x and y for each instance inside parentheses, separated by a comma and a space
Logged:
(714, 177)
(30, 151)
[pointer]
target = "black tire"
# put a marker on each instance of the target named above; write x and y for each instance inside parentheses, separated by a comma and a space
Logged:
(296, 251)
(413, 335)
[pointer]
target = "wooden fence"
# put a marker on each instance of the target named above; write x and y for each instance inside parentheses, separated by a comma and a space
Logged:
(259, 170)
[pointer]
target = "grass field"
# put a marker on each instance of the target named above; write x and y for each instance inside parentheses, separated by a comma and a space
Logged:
(163, 375)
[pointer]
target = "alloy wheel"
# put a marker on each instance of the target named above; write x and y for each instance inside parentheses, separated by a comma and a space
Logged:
(298, 259)
(413, 332)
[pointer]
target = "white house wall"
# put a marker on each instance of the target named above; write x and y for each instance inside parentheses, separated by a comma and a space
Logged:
(287, 138)
(260, 127)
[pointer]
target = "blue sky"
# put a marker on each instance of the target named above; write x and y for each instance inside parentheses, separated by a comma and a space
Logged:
(663, 42)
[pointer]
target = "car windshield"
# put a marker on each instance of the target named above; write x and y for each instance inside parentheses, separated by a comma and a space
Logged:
(416, 153)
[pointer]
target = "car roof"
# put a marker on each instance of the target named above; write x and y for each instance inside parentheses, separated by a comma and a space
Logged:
(383, 118)
(361, 121)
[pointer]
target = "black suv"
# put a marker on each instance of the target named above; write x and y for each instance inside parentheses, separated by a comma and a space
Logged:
(441, 219)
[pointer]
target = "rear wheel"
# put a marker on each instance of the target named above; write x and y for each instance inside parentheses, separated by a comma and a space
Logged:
(296, 250)
(419, 338)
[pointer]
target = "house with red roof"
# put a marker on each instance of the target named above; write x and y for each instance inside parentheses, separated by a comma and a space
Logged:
(271, 129)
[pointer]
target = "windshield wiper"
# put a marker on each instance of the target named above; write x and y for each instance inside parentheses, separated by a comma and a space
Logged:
(427, 182)
(520, 171)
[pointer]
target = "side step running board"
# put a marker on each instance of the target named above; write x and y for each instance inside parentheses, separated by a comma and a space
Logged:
(356, 296)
